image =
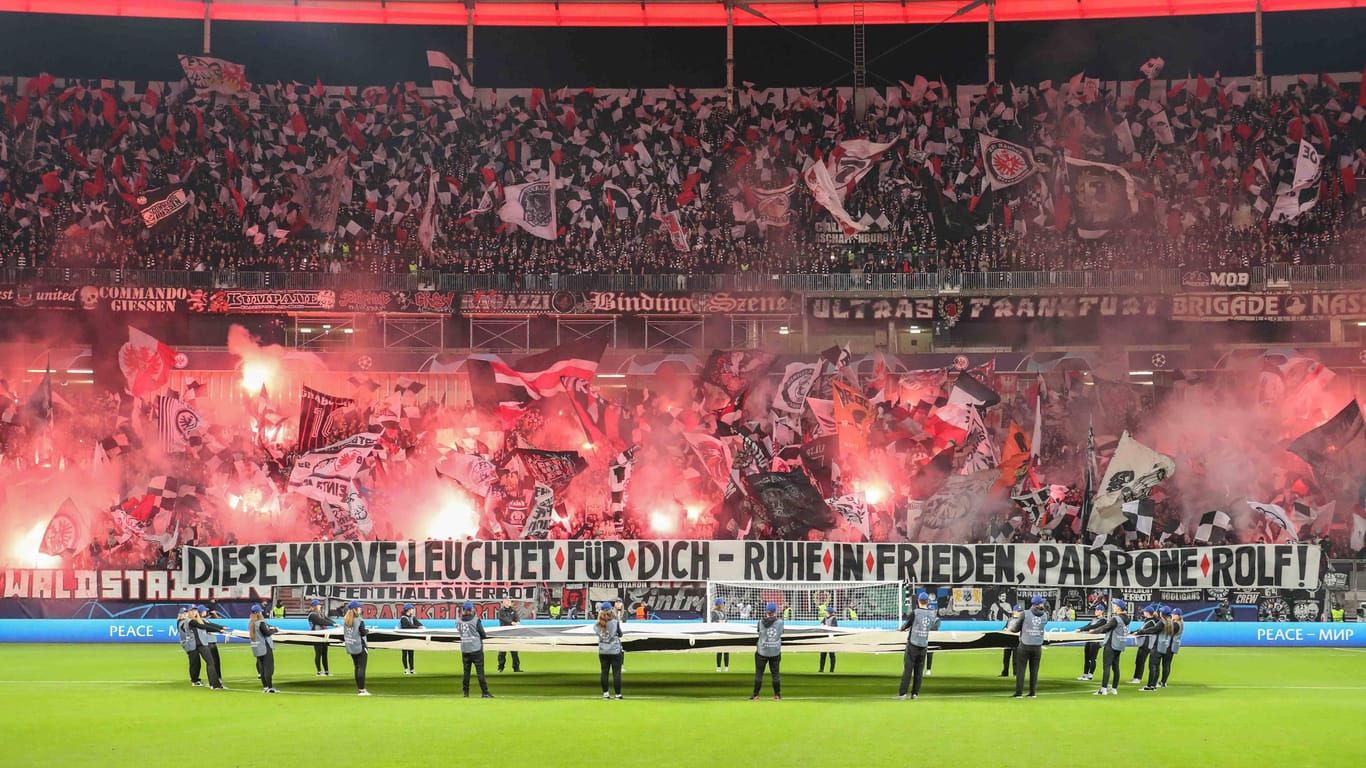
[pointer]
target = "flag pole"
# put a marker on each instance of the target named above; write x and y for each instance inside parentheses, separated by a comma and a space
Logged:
(208, 26)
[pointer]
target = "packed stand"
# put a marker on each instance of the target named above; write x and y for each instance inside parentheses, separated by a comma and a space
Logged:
(663, 184)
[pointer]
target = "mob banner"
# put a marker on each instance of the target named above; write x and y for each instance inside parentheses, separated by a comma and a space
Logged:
(397, 562)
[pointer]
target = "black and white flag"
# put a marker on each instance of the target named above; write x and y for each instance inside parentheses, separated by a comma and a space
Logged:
(1005, 164)
(161, 209)
(1212, 528)
(1298, 190)
(179, 425)
(319, 194)
(532, 207)
(542, 513)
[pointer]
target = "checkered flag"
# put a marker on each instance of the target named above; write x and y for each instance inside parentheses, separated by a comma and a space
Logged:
(1213, 527)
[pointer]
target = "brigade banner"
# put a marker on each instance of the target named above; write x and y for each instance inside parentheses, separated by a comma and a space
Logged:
(1292, 566)
(1274, 307)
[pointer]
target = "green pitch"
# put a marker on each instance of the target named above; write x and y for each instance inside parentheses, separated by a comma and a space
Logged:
(107, 705)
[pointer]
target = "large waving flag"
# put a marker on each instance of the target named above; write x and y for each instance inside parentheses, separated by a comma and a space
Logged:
(507, 388)
(1134, 471)
(146, 363)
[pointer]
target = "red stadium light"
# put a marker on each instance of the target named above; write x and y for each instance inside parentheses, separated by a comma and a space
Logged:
(675, 13)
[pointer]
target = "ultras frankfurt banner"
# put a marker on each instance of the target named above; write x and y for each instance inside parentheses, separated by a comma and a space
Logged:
(1293, 566)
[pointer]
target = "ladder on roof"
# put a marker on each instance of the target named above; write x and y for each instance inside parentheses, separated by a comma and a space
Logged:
(860, 63)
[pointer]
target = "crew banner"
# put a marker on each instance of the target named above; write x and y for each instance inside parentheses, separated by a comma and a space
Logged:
(1293, 566)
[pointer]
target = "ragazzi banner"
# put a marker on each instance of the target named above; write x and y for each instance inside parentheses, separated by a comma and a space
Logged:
(1269, 306)
(626, 303)
(391, 562)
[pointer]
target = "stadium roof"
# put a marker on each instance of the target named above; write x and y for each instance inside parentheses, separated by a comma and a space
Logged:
(653, 13)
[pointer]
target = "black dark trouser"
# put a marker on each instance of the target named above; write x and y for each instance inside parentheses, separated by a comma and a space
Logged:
(929, 661)
(914, 667)
(265, 667)
(832, 661)
(723, 659)
(408, 660)
(503, 660)
(320, 657)
(360, 660)
(1109, 664)
(1007, 656)
(1030, 656)
(1167, 666)
(1155, 663)
(473, 659)
(773, 663)
(1088, 664)
(194, 666)
(206, 656)
(610, 662)
(1141, 663)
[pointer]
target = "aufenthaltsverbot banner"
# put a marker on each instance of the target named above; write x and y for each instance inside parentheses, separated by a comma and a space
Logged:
(398, 562)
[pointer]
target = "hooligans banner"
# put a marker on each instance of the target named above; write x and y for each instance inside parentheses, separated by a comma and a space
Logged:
(1249, 566)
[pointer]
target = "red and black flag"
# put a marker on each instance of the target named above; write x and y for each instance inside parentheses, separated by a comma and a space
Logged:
(507, 388)
(790, 505)
(556, 469)
(603, 422)
(316, 414)
(735, 370)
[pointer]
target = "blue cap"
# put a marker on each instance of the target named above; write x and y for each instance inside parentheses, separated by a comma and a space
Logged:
(923, 596)
(257, 609)
(1167, 610)
(1036, 600)
(315, 602)
(408, 606)
(467, 606)
(201, 607)
(606, 606)
(187, 608)
(1100, 606)
(771, 607)
(1176, 611)
(1018, 607)
(1120, 604)
(1150, 608)
(354, 604)
(719, 601)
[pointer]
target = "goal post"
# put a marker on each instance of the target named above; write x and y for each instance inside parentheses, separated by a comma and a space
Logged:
(878, 604)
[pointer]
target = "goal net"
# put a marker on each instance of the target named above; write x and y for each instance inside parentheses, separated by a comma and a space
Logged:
(871, 604)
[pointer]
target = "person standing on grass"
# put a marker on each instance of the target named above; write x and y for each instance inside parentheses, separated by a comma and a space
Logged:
(211, 611)
(409, 621)
(353, 634)
(610, 654)
(1178, 627)
(1008, 653)
(508, 617)
(202, 631)
(320, 649)
(1162, 645)
(1092, 651)
(472, 636)
(829, 620)
(918, 627)
(929, 657)
(718, 616)
(189, 643)
(769, 652)
(263, 648)
(1031, 625)
(1145, 633)
(1116, 631)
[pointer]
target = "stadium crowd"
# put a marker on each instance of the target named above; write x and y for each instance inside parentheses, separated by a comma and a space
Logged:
(76, 158)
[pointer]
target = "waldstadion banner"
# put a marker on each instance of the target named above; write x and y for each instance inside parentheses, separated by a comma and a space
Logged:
(1292, 566)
